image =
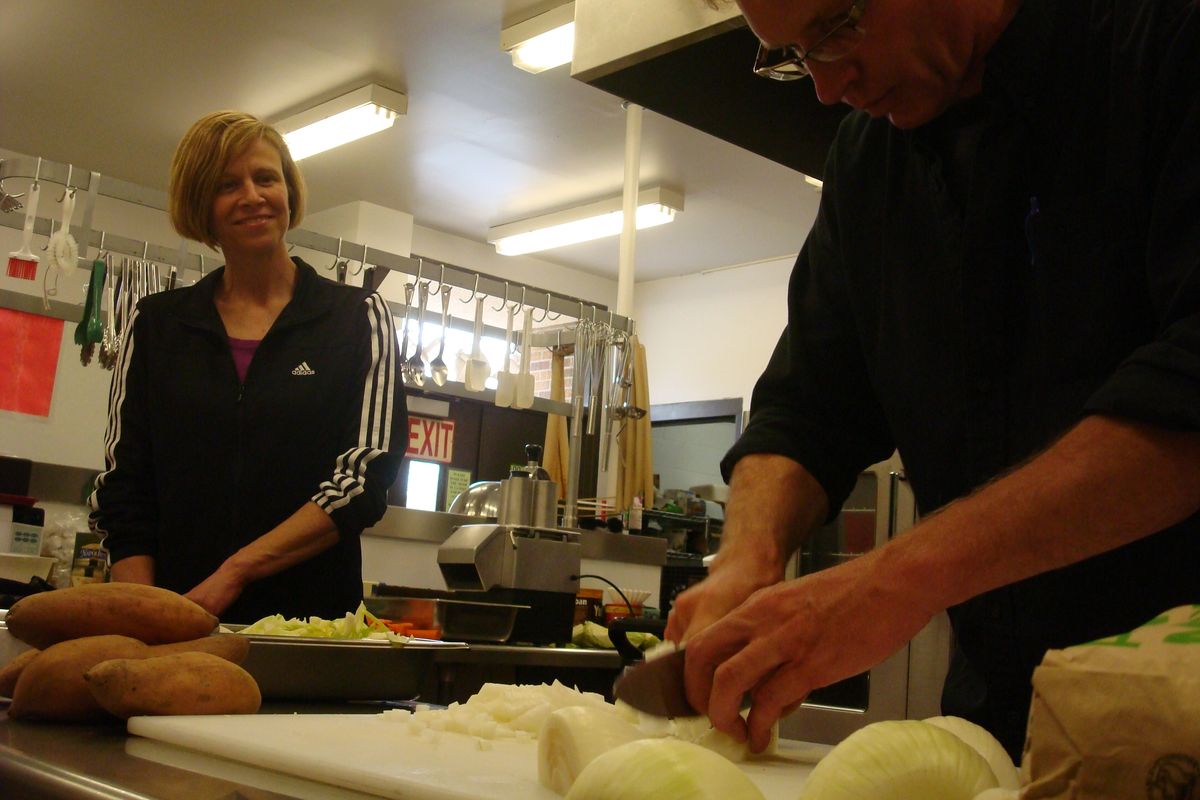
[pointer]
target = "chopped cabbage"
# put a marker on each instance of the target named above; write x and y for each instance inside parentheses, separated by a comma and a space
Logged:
(358, 625)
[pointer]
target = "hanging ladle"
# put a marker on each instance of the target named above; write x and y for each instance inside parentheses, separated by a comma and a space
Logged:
(408, 293)
(437, 368)
(415, 366)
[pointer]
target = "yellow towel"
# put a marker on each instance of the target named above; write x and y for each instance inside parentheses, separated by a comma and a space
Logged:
(635, 476)
(555, 450)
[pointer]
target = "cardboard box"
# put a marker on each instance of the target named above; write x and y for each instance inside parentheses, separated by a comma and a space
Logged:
(90, 563)
(1119, 717)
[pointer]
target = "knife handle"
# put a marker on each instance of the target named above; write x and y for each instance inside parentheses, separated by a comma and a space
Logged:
(622, 625)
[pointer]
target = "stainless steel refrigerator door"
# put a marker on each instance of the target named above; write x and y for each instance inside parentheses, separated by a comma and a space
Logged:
(906, 685)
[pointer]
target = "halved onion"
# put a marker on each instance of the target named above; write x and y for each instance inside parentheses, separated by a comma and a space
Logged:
(986, 745)
(900, 760)
(572, 738)
(655, 769)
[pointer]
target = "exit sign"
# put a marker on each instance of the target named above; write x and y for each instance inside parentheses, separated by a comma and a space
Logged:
(430, 438)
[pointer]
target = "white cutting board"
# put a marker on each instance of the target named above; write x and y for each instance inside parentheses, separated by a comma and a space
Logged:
(371, 753)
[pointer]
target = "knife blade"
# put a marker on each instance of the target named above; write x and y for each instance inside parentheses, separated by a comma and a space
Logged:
(656, 687)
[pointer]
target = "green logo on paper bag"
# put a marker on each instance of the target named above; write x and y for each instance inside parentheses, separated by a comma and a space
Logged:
(1190, 636)
(1121, 640)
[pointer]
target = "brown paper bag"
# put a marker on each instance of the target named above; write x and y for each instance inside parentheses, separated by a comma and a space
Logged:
(1119, 717)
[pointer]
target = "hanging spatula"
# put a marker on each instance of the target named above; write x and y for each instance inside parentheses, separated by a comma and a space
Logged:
(523, 383)
(478, 369)
(505, 380)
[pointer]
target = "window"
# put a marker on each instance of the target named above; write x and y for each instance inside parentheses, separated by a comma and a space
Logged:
(422, 486)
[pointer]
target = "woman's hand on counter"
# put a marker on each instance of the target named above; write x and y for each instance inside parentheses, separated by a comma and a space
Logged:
(217, 592)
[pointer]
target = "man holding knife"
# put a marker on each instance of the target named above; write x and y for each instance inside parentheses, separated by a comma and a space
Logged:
(1003, 283)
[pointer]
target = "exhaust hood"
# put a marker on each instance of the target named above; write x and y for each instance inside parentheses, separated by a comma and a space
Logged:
(692, 63)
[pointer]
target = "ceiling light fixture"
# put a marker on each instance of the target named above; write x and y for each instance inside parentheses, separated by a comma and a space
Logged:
(816, 183)
(356, 114)
(656, 206)
(542, 42)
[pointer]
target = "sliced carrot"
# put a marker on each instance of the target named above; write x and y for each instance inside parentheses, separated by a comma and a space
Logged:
(425, 633)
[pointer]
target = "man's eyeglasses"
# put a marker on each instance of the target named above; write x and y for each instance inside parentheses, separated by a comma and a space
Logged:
(790, 62)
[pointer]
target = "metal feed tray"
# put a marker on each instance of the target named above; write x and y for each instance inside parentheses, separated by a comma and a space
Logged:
(299, 668)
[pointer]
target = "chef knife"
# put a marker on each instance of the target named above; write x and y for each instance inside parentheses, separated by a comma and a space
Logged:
(656, 687)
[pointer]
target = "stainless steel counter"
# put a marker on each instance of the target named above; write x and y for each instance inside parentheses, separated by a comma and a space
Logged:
(93, 762)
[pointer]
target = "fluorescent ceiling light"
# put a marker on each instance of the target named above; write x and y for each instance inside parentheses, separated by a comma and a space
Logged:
(354, 115)
(656, 206)
(816, 183)
(542, 42)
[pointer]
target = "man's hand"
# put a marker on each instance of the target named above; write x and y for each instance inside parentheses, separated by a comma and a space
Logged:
(793, 637)
(714, 597)
(773, 503)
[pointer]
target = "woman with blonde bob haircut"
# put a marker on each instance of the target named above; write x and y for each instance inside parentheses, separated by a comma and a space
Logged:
(200, 158)
(257, 418)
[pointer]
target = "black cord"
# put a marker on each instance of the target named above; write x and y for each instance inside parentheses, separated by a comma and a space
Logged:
(615, 587)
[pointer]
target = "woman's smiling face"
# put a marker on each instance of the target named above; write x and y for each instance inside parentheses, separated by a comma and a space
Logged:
(250, 209)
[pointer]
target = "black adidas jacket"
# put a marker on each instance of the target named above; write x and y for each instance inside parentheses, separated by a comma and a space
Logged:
(199, 465)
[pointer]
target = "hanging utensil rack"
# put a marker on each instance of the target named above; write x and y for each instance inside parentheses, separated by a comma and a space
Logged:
(553, 305)
(91, 184)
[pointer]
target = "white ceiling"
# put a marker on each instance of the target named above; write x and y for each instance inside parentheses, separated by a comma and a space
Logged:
(111, 85)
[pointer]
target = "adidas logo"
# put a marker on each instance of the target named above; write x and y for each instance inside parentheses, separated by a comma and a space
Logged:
(304, 369)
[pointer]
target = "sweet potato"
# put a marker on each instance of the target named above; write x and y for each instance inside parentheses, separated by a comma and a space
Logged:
(183, 683)
(51, 686)
(56, 690)
(229, 646)
(149, 613)
(12, 670)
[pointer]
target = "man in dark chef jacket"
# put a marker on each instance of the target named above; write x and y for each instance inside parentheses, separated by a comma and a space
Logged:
(1003, 283)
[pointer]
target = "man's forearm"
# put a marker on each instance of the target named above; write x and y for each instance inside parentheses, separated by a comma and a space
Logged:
(1106, 483)
(773, 504)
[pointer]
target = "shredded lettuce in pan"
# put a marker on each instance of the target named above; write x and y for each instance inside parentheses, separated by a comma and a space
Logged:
(359, 625)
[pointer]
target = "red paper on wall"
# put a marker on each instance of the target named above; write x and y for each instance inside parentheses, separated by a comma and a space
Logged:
(29, 347)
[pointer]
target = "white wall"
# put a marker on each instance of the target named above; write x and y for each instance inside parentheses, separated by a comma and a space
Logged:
(709, 336)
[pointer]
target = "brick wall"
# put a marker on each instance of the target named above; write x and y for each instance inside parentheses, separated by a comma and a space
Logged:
(539, 367)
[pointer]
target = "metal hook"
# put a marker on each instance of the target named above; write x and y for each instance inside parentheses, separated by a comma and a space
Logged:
(101, 252)
(545, 313)
(337, 257)
(202, 265)
(145, 250)
(441, 282)
(504, 302)
(474, 291)
(67, 185)
(521, 305)
(362, 264)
